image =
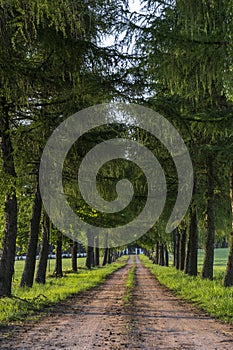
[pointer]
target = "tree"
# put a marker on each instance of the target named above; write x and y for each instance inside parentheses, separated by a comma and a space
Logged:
(16, 88)
(74, 256)
(207, 270)
(44, 250)
(10, 205)
(90, 250)
(58, 264)
(53, 53)
(97, 251)
(30, 263)
(188, 67)
(192, 249)
(182, 248)
(228, 277)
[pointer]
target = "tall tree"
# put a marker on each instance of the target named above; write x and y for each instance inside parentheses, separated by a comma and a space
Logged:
(188, 66)
(30, 263)
(90, 250)
(228, 277)
(49, 53)
(44, 250)
(74, 256)
(207, 270)
(182, 247)
(58, 264)
(10, 205)
(192, 249)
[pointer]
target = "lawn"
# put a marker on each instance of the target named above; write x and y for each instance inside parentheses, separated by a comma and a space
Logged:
(210, 296)
(66, 265)
(220, 261)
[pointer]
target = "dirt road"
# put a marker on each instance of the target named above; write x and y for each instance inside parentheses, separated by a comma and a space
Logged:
(99, 320)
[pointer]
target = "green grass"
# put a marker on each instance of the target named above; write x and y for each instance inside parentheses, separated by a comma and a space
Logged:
(220, 262)
(129, 284)
(29, 303)
(66, 265)
(210, 296)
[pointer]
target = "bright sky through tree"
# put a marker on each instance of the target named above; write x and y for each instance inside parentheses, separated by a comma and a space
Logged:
(134, 6)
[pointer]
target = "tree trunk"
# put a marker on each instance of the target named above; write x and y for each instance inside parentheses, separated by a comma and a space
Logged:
(58, 267)
(30, 263)
(166, 256)
(182, 248)
(156, 259)
(97, 251)
(161, 255)
(174, 237)
(191, 257)
(74, 256)
(228, 278)
(44, 251)
(208, 265)
(10, 208)
(109, 256)
(177, 249)
(105, 259)
(90, 250)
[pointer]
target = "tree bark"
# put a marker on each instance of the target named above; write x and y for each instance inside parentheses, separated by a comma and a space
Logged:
(182, 249)
(10, 207)
(161, 254)
(109, 256)
(228, 277)
(97, 251)
(90, 250)
(208, 265)
(166, 256)
(177, 249)
(30, 263)
(156, 261)
(58, 267)
(74, 256)
(44, 251)
(105, 259)
(191, 257)
(174, 236)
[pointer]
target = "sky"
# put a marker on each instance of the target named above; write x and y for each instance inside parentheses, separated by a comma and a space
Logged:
(134, 6)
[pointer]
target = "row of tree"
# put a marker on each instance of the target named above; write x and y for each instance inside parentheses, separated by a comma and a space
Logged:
(52, 65)
(189, 67)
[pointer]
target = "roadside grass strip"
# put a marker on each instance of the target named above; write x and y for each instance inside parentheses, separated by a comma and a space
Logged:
(129, 284)
(209, 296)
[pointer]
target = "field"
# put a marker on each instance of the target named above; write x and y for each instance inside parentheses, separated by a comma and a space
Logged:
(220, 262)
(66, 265)
(210, 296)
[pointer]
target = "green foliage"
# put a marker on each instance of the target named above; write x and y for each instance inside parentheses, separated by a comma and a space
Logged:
(51, 65)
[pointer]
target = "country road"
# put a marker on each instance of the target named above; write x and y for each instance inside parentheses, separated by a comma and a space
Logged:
(98, 319)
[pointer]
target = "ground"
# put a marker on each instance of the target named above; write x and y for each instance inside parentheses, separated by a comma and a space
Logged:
(99, 319)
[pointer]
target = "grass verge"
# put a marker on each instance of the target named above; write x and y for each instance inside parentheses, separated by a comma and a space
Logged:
(29, 303)
(208, 295)
(129, 283)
